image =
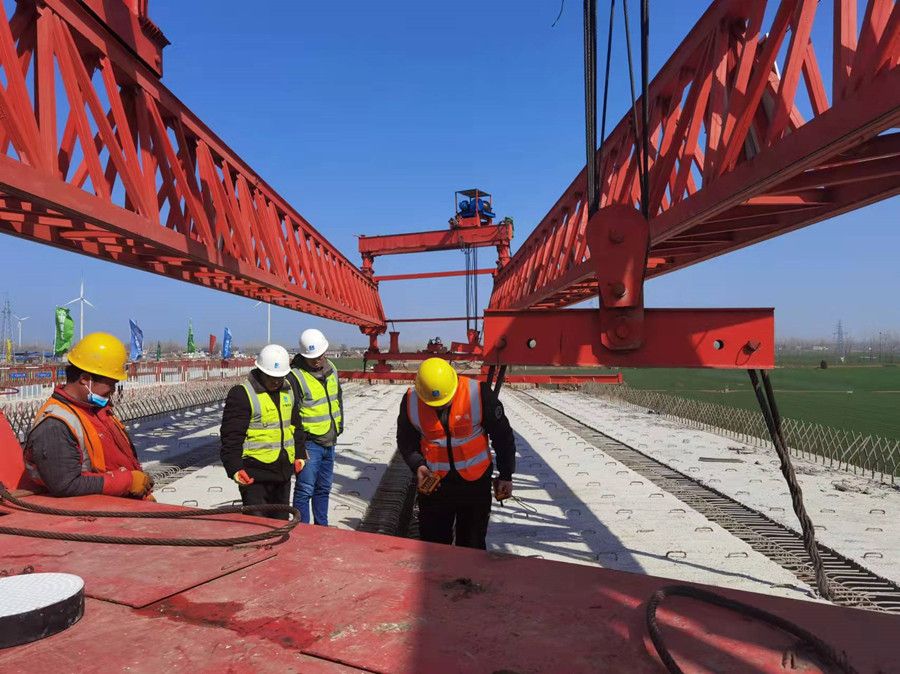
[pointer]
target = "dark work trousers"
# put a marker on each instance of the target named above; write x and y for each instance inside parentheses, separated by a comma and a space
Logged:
(457, 507)
(260, 493)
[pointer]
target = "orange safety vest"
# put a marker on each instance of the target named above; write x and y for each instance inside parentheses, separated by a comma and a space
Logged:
(469, 442)
(81, 427)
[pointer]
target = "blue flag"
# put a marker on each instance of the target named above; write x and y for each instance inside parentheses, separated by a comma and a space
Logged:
(226, 344)
(137, 341)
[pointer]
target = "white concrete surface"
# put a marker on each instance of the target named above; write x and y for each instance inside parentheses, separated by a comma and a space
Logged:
(592, 509)
(858, 518)
(164, 437)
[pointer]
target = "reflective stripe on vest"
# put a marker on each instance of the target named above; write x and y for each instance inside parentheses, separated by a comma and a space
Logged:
(319, 404)
(269, 431)
(89, 443)
(468, 441)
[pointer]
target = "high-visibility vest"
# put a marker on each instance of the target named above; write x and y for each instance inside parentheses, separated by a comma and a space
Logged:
(269, 430)
(319, 405)
(469, 442)
(82, 428)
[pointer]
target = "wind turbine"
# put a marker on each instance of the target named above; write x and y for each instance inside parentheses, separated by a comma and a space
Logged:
(82, 300)
(21, 319)
(268, 320)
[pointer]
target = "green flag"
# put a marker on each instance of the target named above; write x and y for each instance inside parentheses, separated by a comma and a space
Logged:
(65, 330)
(158, 351)
(190, 345)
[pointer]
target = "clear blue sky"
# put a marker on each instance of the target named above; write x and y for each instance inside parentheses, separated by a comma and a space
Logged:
(367, 116)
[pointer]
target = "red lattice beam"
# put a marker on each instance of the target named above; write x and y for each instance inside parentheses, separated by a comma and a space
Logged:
(98, 157)
(740, 151)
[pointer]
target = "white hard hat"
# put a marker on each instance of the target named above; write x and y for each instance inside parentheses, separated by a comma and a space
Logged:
(312, 343)
(274, 360)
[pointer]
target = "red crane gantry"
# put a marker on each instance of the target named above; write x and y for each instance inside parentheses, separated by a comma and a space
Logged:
(135, 178)
(733, 162)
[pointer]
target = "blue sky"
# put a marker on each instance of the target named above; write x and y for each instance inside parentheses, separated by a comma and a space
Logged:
(367, 116)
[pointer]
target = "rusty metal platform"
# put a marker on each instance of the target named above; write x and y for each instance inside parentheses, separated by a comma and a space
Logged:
(329, 600)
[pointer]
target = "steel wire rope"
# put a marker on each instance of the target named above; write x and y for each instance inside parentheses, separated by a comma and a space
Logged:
(765, 396)
(816, 645)
(634, 120)
(278, 532)
(590, 103)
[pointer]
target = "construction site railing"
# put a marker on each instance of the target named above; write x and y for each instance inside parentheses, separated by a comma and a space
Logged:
(26, 382)
(875, 456)
(137, 403)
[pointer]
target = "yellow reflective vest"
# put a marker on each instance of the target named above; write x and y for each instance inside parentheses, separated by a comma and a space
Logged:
(270, 426)
(319, 405)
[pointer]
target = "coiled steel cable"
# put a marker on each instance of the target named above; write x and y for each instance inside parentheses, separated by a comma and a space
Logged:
(823, 650)
(276, 533)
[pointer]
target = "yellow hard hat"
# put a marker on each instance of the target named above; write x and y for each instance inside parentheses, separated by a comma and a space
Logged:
(436, 382)
(102, 354)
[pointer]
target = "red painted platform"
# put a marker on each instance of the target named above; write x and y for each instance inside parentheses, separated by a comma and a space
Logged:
(327, 600)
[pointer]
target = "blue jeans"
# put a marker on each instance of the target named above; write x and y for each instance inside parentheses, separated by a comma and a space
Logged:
(314, 482)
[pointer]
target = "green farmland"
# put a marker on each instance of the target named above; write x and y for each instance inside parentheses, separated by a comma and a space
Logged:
(863, 399)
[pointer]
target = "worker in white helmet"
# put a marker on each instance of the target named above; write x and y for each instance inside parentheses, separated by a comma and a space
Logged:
(259, 448)
(314, 380)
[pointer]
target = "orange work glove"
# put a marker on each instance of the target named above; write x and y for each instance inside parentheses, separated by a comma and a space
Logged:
(298, 465)
(141, 483)
(241, 477)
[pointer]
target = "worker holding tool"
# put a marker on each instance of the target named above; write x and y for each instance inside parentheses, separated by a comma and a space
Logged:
(77, 445)
(320, 401)
(259, 448)
(444, 429)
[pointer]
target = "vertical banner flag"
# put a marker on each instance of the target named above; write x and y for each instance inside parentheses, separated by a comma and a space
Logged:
(212, 344)
(191, 348)
(158, 351)
(65, 331)
(9, 351)
(137, 341)
(226, 344)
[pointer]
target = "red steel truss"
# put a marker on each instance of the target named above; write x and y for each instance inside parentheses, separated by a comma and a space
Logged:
(135, 178)
(738, 154)
(454, 238)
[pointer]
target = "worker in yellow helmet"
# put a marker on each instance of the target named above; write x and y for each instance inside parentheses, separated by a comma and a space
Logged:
(445, 431)
(77, 445)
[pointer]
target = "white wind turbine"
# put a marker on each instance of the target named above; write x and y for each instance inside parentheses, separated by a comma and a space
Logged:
(268, 320)
(82, 300)
(20, 319)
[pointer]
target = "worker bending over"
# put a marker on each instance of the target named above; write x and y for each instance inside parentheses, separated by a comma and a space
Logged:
(320, 400)
(444, 429)
(259, 450)
(76, 445)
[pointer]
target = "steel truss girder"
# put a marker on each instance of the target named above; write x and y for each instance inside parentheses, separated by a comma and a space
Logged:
(727, 136)
(134, 177)
(712, 338)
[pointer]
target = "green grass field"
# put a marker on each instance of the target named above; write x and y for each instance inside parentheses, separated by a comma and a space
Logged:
(862, 399)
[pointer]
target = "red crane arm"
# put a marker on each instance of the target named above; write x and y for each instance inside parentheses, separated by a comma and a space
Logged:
(733, 158)
(132, 176)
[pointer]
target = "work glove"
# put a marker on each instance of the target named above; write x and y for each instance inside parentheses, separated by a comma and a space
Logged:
(141, 483)
(502, 489)
(298, 465)
(426, 481)
(242, 478)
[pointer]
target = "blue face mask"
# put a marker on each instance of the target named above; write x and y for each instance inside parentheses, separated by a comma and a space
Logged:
(94, 399)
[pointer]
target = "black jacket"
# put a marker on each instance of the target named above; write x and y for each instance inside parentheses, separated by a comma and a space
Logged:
(236, 421)
(330, 438)
(495, 424)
